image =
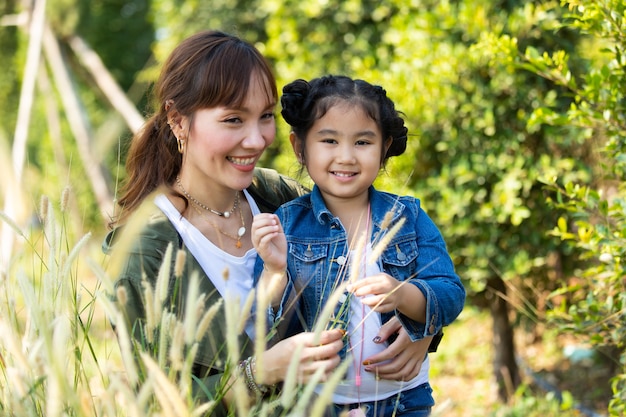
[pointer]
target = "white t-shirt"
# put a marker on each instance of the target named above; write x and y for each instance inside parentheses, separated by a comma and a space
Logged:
(214, 261)
(362, 328)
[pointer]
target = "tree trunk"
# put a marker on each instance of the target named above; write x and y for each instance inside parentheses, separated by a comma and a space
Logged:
(109, 87)
(78, 124)
(504, 364)
(13, 199)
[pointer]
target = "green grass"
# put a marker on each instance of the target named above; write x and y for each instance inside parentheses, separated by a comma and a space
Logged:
(60, 356)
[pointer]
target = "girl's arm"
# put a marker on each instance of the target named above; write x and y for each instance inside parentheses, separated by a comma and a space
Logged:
(426, 302)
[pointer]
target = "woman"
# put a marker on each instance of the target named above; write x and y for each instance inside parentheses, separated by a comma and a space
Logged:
(194, 166)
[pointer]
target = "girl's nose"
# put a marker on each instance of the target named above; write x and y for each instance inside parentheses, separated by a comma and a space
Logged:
(345, 154)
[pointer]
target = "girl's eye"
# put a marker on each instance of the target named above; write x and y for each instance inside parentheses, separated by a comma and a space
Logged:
(362, 142)
(233, 120)
(268, 116)
(328, 140)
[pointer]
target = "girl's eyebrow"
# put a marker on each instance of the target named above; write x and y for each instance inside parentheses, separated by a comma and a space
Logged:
(366, 133)
(327, 132)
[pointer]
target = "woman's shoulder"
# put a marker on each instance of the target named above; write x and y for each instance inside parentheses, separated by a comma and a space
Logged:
(147, 230)
(271, 189)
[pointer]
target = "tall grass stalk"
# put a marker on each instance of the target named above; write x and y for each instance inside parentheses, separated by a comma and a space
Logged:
(49, 364)
(60, 357)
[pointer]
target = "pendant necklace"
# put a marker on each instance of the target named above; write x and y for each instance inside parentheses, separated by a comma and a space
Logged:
(240, 232)
(209, 209)
(226, 214)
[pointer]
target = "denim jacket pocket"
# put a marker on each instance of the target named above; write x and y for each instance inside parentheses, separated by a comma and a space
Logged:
(399, 259)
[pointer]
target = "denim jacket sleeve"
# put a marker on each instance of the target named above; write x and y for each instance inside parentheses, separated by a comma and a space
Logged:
(436, 279)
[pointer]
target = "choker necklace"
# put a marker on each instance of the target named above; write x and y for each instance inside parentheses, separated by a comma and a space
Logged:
(199, 204)
(240, 232)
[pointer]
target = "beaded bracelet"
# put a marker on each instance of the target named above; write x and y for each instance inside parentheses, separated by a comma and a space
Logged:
(247, 368)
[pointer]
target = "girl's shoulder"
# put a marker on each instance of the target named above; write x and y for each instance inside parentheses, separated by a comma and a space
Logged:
(383, 200)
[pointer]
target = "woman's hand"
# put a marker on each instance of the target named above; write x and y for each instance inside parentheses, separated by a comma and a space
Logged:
(402, 360)
(270, 242)
(310, 352)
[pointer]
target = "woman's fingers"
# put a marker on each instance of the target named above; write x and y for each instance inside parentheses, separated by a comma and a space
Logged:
(323, 355)
(391, 327)
(402, 360)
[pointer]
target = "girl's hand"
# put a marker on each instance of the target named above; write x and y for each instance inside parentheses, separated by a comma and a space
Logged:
(309, 352)
(402, 360)
(381, 292)
(270, 242)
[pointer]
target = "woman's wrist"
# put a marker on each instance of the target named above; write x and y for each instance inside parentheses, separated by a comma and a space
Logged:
(247, 369)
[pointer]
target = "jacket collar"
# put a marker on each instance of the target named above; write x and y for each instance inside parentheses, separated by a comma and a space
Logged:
(380, 203)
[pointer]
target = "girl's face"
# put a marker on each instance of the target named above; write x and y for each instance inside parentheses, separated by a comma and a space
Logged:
(343, 153)
(224, 144)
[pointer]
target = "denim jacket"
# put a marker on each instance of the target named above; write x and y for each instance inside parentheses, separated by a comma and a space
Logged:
(318, 248)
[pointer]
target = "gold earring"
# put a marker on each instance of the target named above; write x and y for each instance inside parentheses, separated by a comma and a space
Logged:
(181, 145)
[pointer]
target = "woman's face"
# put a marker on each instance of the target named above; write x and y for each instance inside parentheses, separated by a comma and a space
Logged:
(224, 144)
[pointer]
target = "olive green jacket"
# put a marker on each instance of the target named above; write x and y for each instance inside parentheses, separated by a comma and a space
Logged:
(143, 260)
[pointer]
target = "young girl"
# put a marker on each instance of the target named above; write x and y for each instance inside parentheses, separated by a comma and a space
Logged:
(343, 132)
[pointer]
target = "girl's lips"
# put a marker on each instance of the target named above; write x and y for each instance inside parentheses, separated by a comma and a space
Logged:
(343, 174)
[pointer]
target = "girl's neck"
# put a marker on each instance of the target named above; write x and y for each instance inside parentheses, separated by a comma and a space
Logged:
(353, 215)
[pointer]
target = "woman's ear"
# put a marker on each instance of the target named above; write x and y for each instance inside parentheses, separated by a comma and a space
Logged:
(178, 124)
(296, 144)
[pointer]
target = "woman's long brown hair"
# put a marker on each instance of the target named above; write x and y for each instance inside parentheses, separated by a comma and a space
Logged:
(206, 70)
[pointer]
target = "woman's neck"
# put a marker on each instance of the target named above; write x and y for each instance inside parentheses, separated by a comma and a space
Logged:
(213, 199)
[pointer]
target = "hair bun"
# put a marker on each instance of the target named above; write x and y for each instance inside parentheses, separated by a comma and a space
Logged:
(293, 102)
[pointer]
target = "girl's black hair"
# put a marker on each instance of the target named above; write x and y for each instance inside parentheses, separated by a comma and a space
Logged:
(304, 102)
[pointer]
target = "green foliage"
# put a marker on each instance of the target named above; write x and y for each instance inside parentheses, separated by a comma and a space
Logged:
(594, 216)
(9, 79)
(527, 403)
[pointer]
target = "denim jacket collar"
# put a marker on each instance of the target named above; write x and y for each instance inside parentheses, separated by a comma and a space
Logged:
(380, 203)
(322, 214)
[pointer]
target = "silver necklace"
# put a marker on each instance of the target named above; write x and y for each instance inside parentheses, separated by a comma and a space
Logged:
(240, 232)
(225, 214)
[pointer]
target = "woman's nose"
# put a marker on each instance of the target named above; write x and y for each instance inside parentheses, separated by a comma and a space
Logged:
(256, 138)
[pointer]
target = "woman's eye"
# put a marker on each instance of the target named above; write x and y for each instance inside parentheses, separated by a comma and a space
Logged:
(233, 120)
